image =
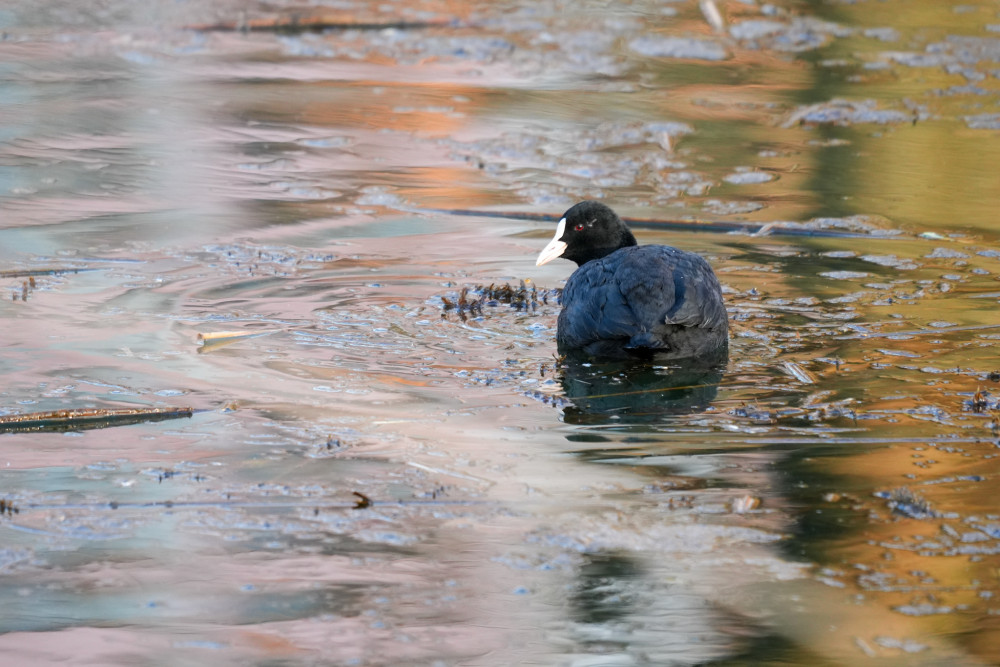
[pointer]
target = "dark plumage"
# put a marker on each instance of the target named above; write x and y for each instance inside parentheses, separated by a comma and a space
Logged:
(630, 300)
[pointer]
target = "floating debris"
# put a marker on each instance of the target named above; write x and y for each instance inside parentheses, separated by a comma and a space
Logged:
(754, 413)
(558, 362)
(798, 372)
(525, 297)
(909, 504)
(30, 273)
(363, 501)
(808, 413)
(214, 340)
(555, 400)
(745, 504)
(86, 418)
(712, 15)
(979, 401)
(217, 336)
(8, 508)
(464, 306)
(27, 286)
(843, 113)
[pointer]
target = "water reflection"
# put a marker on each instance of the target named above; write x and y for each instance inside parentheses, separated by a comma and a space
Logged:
(602, 592)
(638, 391)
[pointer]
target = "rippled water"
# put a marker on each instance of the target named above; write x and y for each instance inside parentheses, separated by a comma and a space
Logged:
(380, 478)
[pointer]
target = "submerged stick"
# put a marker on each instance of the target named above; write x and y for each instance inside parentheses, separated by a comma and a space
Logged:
(798, 372)
(9, 507)
(214, 340)
(298, 24)
(87, 418)
(24, 273)
(219, 336)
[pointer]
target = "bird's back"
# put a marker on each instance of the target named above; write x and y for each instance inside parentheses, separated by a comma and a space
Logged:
(644, 299)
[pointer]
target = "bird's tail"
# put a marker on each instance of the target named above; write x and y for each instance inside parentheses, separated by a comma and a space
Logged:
(644, 340)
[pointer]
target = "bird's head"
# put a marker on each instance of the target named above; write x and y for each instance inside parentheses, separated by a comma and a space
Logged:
(589, 230)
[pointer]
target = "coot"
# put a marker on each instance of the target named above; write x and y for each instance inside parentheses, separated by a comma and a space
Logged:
(627, 300)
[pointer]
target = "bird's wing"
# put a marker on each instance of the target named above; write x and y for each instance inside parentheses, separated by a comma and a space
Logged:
(665, 285)
(639, 290)
(594, 307)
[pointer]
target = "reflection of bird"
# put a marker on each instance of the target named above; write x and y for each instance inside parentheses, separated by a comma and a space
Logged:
(635, 392)
(627, 300)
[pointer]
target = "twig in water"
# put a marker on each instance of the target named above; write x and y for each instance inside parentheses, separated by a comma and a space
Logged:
(86, 418)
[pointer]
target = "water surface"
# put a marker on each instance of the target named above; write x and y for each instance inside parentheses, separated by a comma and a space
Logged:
(384, 480)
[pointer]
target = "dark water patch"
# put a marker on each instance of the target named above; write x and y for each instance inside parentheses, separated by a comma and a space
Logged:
(635, 392)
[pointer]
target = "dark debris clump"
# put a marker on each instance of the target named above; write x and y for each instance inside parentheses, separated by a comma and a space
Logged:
(754, 413)
(905, 502)
(8, 508)
(982, 403)
(525, 297)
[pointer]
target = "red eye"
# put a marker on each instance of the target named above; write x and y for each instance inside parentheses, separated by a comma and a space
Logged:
(578, 227)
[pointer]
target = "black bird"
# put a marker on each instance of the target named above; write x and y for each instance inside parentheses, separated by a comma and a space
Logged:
(627, 300)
